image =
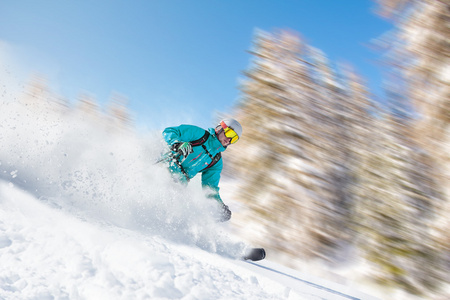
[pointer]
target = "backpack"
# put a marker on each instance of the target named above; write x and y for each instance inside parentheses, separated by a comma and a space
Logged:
(200, 142)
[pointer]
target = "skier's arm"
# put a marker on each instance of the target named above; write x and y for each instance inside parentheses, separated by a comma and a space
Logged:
(211, 179)
(182, 133)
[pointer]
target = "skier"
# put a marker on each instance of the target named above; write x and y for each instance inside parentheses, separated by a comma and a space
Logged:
(195, 150)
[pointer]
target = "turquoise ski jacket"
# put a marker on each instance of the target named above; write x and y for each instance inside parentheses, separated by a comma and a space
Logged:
(198, 160)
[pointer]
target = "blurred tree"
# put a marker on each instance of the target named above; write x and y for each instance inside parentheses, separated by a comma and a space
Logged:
(119, 116)
(420, 52)
(322, 168)
(87, 107)
(38, 96)
(296, 158)
(395, 207)
(262, 157)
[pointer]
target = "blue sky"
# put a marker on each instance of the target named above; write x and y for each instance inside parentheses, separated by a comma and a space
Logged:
(178, 61)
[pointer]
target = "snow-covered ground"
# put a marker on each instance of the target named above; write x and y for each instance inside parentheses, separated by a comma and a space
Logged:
(85, 213)
(47, 253)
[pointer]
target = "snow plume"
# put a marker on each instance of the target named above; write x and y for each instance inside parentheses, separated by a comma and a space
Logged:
(79, 160)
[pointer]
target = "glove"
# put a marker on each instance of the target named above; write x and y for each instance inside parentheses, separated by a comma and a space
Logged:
(225, 213)
(184, 148)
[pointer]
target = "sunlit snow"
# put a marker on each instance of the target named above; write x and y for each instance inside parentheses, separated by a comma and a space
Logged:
(85, 213)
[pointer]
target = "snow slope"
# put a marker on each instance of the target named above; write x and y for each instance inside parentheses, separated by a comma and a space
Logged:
(85, 213)
(46, 253)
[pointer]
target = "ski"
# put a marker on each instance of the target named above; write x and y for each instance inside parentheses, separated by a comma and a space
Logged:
(255, 254)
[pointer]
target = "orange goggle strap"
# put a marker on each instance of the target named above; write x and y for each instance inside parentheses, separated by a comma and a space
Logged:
(229, 132)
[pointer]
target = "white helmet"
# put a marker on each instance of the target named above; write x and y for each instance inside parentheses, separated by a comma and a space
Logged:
(233, 124)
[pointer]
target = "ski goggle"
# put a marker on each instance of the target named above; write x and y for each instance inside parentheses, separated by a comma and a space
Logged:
(229, 133)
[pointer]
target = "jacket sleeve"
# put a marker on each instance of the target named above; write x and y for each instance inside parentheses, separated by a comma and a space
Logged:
(182, 133)
(210, 180)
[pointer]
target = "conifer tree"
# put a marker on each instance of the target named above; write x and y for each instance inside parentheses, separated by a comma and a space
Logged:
(263, 149)
(422, 56)
(118, 114)
(420, 53)
(394, 213)
(296, 157)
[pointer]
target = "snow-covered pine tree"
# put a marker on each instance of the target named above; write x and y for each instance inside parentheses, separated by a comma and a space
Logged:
(394, 212)
(420, 52)
(295, 158)
(118, 115)
(273, 128)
